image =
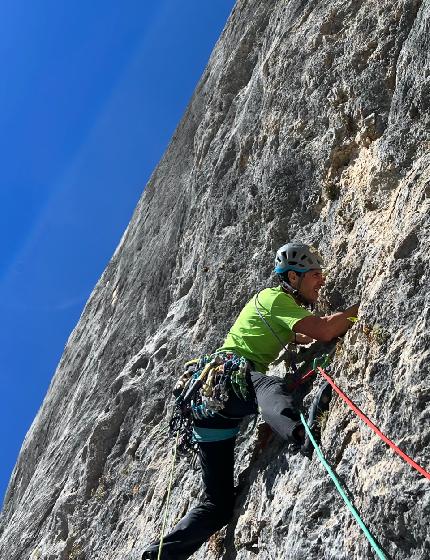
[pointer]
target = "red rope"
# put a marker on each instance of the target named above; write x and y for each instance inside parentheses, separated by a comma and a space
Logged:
(372, 425)
(302, 379)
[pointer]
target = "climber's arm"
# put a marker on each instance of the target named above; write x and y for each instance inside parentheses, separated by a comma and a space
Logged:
(328, 327)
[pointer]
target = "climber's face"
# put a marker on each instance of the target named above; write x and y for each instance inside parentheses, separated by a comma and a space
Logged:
(308, 284)
(311, 284)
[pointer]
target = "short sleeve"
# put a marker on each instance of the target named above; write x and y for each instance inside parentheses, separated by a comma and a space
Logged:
(286, 312)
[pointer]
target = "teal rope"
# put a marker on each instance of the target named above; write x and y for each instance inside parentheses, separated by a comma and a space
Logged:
(351, 508)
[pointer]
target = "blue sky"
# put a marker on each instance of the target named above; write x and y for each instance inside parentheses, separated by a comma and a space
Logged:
(90, 95)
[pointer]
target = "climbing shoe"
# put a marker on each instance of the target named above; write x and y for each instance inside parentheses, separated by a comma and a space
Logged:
(297, 440)
(319, 405)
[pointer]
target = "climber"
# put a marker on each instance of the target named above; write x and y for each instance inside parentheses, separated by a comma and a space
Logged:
(271, 319)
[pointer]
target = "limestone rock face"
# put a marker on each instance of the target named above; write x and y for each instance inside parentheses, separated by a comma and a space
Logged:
(311, 122)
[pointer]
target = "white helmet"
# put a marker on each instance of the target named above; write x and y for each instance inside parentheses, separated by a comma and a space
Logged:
(297, 257)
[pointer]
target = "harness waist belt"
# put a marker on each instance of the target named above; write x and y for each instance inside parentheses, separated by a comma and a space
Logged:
(214, 434)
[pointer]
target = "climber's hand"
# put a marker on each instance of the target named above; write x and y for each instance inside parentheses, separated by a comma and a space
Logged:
(303, 339)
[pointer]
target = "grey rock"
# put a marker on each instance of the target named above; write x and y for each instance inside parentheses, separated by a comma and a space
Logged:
(311, 122)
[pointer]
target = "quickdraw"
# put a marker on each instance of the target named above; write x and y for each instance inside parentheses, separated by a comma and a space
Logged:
(237, 368)
(202, 391)
(321, 361)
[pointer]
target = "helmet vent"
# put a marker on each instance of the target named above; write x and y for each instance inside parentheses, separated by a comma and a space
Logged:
(298, 257)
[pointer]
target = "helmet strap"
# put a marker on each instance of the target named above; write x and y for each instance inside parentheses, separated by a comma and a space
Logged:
(295, 292)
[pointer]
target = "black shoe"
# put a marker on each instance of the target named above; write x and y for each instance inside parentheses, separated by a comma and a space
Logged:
(319, 405)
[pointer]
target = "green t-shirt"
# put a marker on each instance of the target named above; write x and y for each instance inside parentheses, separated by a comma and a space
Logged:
(251, 337)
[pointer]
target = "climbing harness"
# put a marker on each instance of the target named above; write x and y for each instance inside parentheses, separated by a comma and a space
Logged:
(169, 488)
(341, 491)
(372, 426)
(202, 391)
(322, 361)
